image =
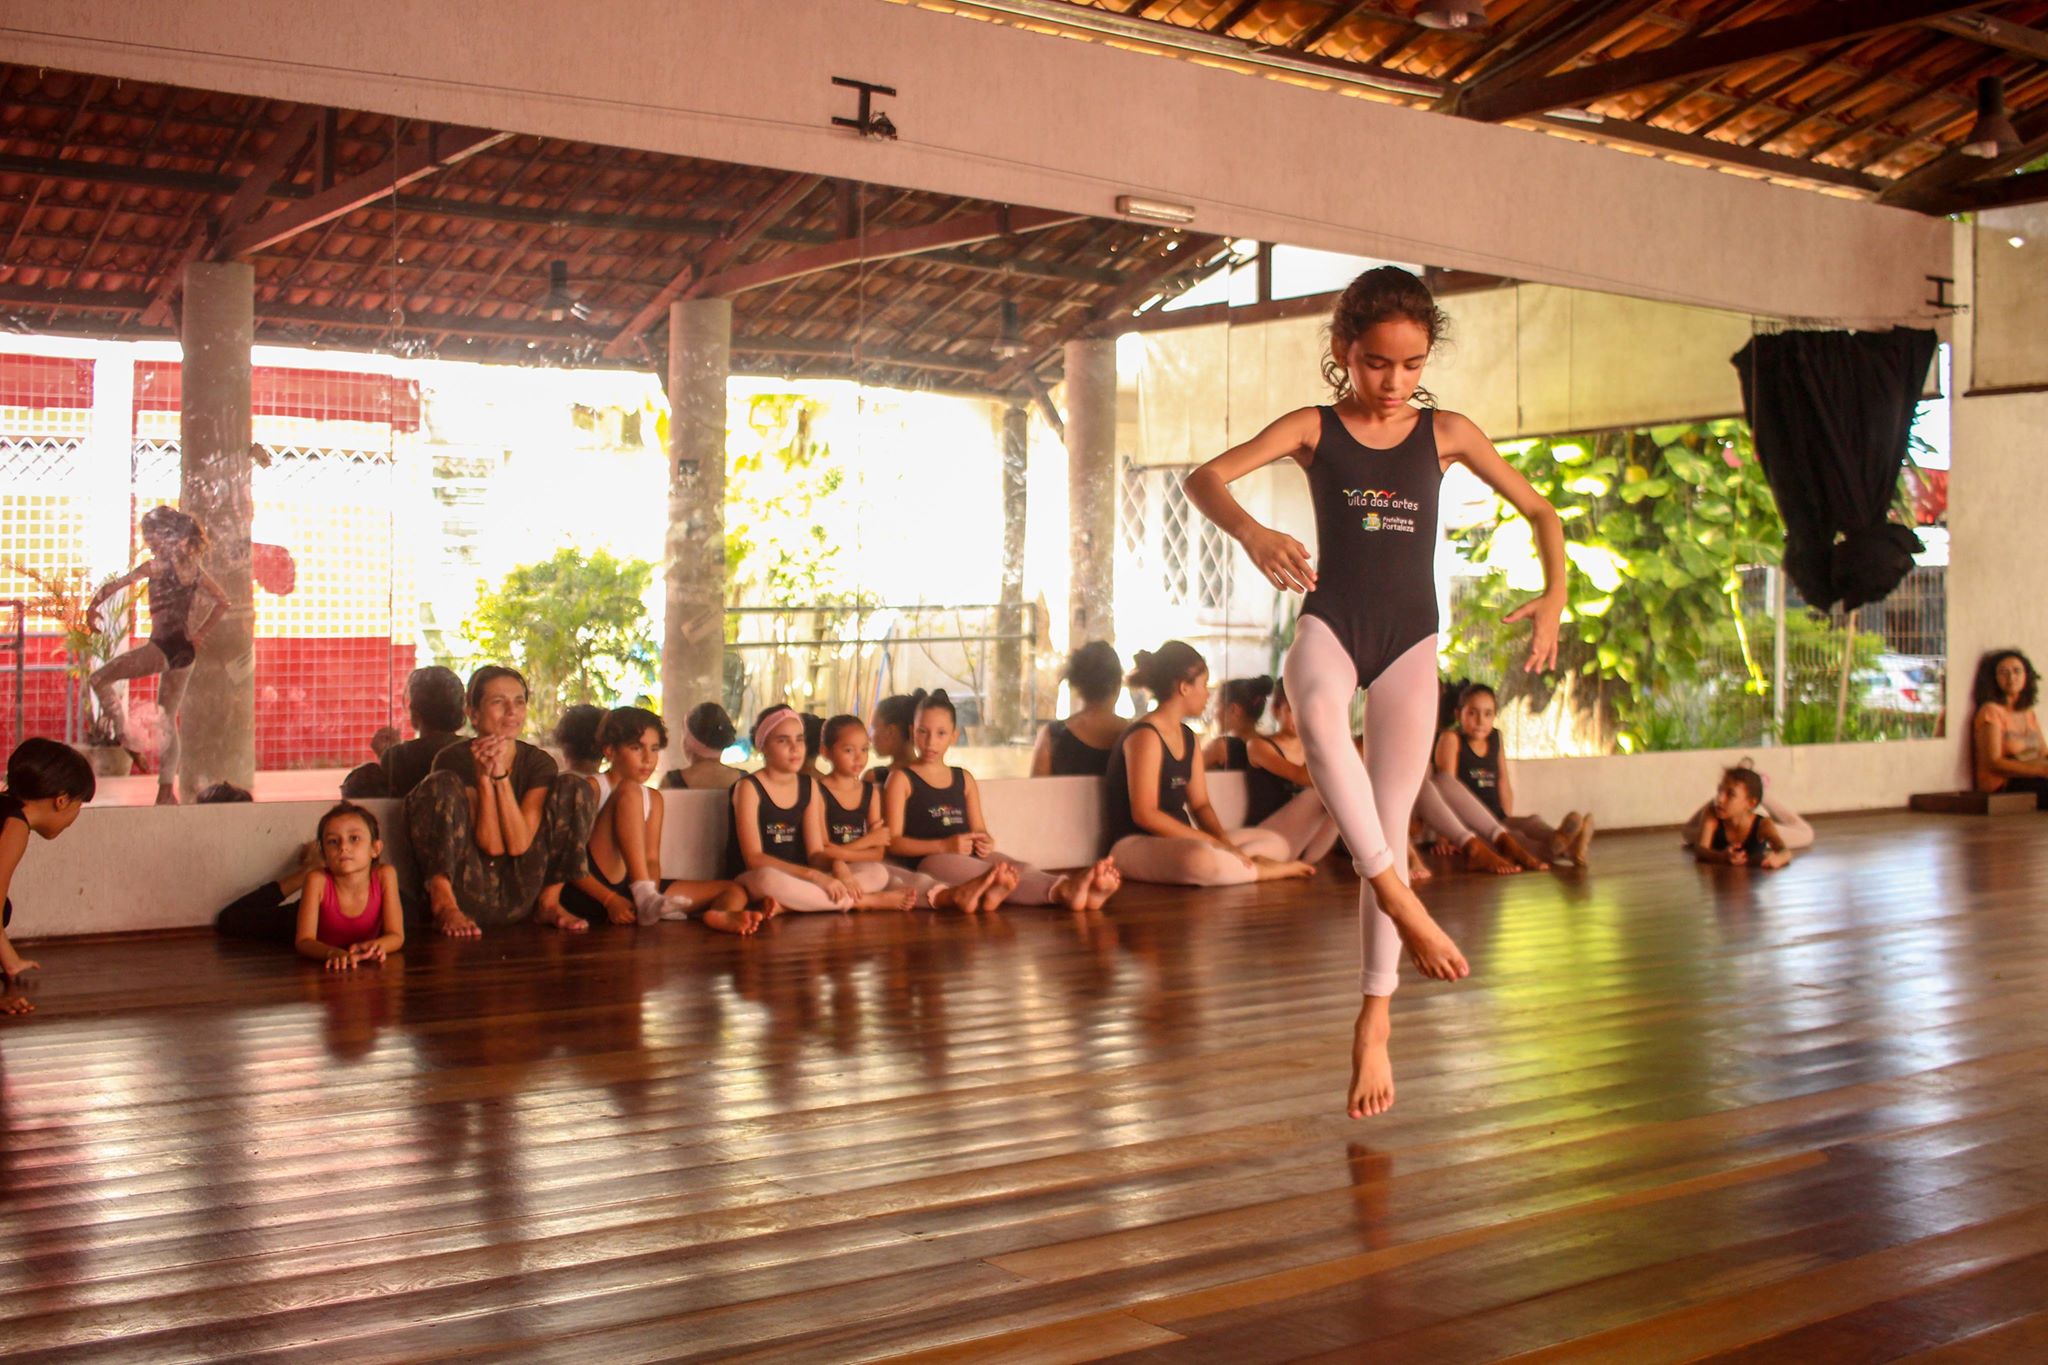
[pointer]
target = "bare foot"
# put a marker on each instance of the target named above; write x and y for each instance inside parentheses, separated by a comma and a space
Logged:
(1582, 842)
(1372, 1071)
(1429, 947)
(1002, 881)
(741, 922)
(1277, 870)
(892, 898)
(1418, 870)
(1104, 881)
(770, 908)
(551, 913)
(1071, 890)
(1515, 851)
(448, 916)
(1480, 858)
(16, 1004)
(967, 896)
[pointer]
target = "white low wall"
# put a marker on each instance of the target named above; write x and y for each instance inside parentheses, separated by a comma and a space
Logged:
(123, 869)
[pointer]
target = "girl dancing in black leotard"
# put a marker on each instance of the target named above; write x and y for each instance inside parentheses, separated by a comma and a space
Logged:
(1369, 620)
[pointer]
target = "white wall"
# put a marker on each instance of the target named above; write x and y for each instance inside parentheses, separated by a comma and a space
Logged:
(990, 111)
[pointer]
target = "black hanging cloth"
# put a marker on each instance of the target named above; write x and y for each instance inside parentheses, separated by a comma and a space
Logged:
(1831, 412)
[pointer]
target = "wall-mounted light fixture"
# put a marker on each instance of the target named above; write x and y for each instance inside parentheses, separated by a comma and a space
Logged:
(1154, 210)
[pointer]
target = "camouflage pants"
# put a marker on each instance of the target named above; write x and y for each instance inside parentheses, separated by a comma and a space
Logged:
(501, 888)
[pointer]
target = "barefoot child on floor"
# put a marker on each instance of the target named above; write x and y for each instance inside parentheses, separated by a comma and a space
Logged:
(624, 884)
(934, 814)
(1736, 832)
(47, 785)
(348, 911)
(856, 833)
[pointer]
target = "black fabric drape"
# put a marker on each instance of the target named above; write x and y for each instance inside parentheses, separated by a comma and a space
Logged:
(1831, 412)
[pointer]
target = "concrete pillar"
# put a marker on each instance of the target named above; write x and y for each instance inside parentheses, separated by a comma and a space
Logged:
(217, 328)
(1091, 489)
(693, 636)
(1007, 686)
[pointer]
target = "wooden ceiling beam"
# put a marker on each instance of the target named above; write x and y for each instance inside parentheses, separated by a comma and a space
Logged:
(1991, 31)
(1965, 71)
(1689, 57)
(444, 147)
(1196, 256)
(1579, 28)
(1769, 91)
(771, 210)
(2002, 193)
(1930, 186)
(1713, 149)
(964, 230)
(1848, 94)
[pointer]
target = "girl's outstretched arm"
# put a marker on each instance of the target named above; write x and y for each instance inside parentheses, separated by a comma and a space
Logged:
(1459, 437)
(1280, 557)
(13, 843)
(114, 585)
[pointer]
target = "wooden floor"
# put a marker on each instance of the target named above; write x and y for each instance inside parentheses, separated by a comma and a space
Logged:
(1675, 1113)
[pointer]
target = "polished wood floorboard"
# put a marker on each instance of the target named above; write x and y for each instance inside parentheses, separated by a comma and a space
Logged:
(1676, 1113)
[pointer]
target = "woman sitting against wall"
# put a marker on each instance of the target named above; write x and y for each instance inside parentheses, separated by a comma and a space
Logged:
(497, 830)
(2008, 751)
(1080, 745)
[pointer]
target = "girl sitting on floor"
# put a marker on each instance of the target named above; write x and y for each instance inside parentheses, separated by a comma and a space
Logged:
(778, 826)
(890, 734)
(2008, 751)
(856, 833)
(624, 884)
(1080, 744)
(707, 733)
(934, 815)
(1279, 794)
(1469, 756)
(1736, 831)
(349, 912)
(47, 785)
(1161, 825)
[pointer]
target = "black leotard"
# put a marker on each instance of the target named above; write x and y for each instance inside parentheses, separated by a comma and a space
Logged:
(935, 812)
(1174, 776)
(1376, 542)
(1482, 775)
(1754, 847)
(170, 615)
(844, 824)
(781, 827)
(10, 809)
(1073, 756)
(1264, 792)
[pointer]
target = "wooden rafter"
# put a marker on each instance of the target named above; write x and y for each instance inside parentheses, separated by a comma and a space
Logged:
(1691, 57)
(1941, 181)
(1844, 96)
(1770, 90)
(1545, 47)
(882, 246)
(1992, 31)
(1713, 149)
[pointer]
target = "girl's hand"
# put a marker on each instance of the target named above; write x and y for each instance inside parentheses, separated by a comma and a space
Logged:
(1777, 859)
(1544, 612)
(1737, 858)
(981, 845)
(22, 967)
(1233, 850)
(960, 843)
(340, 962)
(838, 891)
(1280, 557)
(368, 952)
(619, 910)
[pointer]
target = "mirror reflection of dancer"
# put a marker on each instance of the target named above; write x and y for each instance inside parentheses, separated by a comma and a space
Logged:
(178, 587)
(1374, 461)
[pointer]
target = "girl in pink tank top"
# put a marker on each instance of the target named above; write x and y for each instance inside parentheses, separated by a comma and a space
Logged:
(349, 912)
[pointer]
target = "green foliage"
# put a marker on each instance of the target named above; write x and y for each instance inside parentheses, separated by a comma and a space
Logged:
(1658, 525)
(779, 550)
(576, 627)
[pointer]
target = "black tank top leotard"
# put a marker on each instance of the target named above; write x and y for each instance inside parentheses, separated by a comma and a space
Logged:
(1174, 776)
(1073, 756)
(846, 824)
(1755, 846)
(935, 812)
(1482, 775)
(10, 809)
(1264, 792)
(781, 828)
(1375, 542)
(170, 616)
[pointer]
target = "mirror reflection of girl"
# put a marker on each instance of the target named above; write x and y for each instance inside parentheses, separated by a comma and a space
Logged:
(778, 827)
(1161, 825)
(1472, 770)
(934, 816)
(1280, 794)
(889, 733)
(185, 605)
(1736, 831)
(2008, 751)
(625, 885)
(1374, 461)
(857, 834)
(1079, 744)
(708, 732)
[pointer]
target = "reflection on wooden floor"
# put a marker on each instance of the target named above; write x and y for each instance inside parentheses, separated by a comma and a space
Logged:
(1675, 1112)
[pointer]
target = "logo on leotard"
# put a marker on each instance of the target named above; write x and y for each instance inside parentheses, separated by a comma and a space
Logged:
(947, 816)
(1366, 497)
(778, 833)
(1383, 507)
(847, 833)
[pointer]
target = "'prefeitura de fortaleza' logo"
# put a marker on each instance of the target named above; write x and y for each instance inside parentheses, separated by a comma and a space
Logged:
(1384, 508)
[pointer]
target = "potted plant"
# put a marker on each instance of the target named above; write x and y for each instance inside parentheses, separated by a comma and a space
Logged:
(66, 599)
